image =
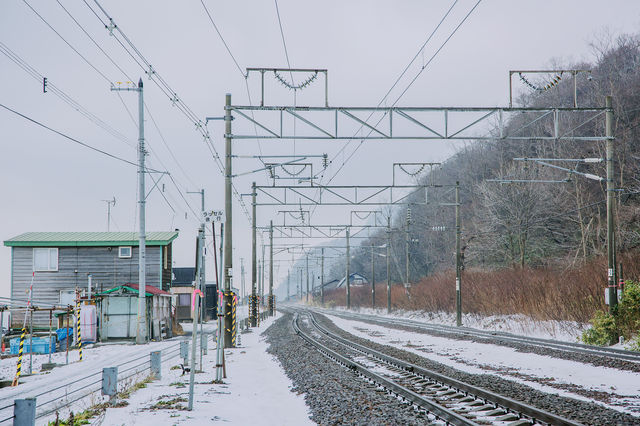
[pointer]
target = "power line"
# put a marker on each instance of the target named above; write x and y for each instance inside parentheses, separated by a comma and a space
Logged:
(222, 38)
(69, 137)
(94, 42)
(67, 43)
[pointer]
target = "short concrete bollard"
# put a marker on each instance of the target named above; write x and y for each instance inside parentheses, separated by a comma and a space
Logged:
(24, 412)
(110, 383)
(156, 364)
(184, 352)
(204, 343)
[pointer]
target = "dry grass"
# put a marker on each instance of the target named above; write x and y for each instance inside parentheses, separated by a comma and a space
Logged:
(541, 293)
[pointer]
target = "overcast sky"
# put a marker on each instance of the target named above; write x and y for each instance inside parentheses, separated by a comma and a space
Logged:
(52, 184)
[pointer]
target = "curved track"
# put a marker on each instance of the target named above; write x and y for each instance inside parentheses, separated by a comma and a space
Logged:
(448, 399)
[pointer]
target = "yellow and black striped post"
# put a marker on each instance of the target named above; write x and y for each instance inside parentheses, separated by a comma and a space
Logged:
(78, 326)
(233, 318)
(20, 351)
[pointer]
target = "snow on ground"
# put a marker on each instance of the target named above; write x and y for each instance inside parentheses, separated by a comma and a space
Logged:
(620, 389)
(256, 391)
(568, 331)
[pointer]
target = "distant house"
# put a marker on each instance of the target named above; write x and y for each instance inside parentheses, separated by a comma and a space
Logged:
(355, 280)
(182, 287)
(60, 262)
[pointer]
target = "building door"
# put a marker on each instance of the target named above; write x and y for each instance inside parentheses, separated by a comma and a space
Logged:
(120, 317)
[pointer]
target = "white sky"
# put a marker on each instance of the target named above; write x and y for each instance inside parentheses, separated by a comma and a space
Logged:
(51, 184)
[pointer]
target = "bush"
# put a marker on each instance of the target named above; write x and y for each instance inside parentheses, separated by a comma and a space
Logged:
(625, 322)
(603, 331)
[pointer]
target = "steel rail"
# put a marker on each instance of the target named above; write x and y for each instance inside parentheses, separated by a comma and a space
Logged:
(500, 335)
(433, 408)
(510, 404)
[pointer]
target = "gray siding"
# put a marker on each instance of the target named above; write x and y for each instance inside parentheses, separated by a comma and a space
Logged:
(103, 264)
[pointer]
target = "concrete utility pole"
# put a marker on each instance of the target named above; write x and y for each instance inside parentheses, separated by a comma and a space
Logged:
(348, 273)
(228, 226)
(300, 285)
(373, 279)
(406, 248)
(288, 284)
(322, 276)
(253, 308)
(388, 264)
(307, 278)
(242, 292)
(458, 260)
(109, 204)
(262, 278)
(611, 246)
(271, 307)
(196, 314)
(141, 323)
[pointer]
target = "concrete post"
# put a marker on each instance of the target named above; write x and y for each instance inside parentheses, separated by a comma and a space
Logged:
(156, 364)
(24, 412)
(228, 226)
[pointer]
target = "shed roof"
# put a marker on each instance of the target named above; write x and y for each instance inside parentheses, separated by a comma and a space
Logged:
(149, 290)
(88, 239)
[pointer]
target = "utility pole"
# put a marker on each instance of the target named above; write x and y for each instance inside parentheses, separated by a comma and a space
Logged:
(300, 284)
(288, 284)
(141, 329)
(388, 264)
(271, 307)
(348, 273)
(373, 279)
(611, 261)
(307, 278)
(196, 314)
(253, 307)
(458, 260)
(262, 278)
(109, 204)
(406, 248)
(242, 292)
(228, 226)
(202, 250)
(322, 276)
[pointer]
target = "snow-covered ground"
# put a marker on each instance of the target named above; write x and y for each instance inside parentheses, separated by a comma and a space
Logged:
(568, 331)
(256, 391)
(616, 389)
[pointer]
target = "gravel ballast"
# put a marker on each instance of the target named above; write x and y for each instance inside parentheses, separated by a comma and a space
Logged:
(580, 411)
(335, 394)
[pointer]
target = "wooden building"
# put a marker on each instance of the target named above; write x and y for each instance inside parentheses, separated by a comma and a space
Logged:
(62, 262)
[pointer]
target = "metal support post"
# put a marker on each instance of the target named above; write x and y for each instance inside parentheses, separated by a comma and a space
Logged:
(406, 249)
(611, 266)
(458, 261)
(156, 364)
(228, 248)
(388, 264)
(348, 274)
(307, 278)
(300, 285)
(373, 279)
(288, 285)
(271, 307)
(24, 412)
(253, 309)
(196, 314)
(322, 276)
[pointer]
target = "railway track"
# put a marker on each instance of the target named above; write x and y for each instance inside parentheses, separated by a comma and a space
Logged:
(449, 400)
(578, 348)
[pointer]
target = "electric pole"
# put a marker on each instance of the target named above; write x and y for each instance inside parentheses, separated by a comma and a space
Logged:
(253, 307)
(373, 280)
(288, 284)
(322, 276)
(242, 292)
(109, 204)
(611, 257)
(348, 273)
(458, 260)
(406, 248)
(228, 226)
(388, 264)
(271, 307)
(307, 278)
(141, 329)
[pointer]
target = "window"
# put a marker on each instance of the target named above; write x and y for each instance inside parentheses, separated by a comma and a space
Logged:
(124, 252)
(45, 259)
(67, 297)
(184, 299)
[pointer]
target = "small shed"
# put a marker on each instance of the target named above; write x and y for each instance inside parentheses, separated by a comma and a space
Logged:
(118, 311)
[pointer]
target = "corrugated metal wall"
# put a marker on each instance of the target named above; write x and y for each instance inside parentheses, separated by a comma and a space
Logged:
(103, 264)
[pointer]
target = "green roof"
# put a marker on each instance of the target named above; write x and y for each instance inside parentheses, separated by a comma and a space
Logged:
(88, 239)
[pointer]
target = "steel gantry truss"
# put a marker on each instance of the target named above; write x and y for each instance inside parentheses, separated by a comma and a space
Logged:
(391, 123)
(417, 123)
